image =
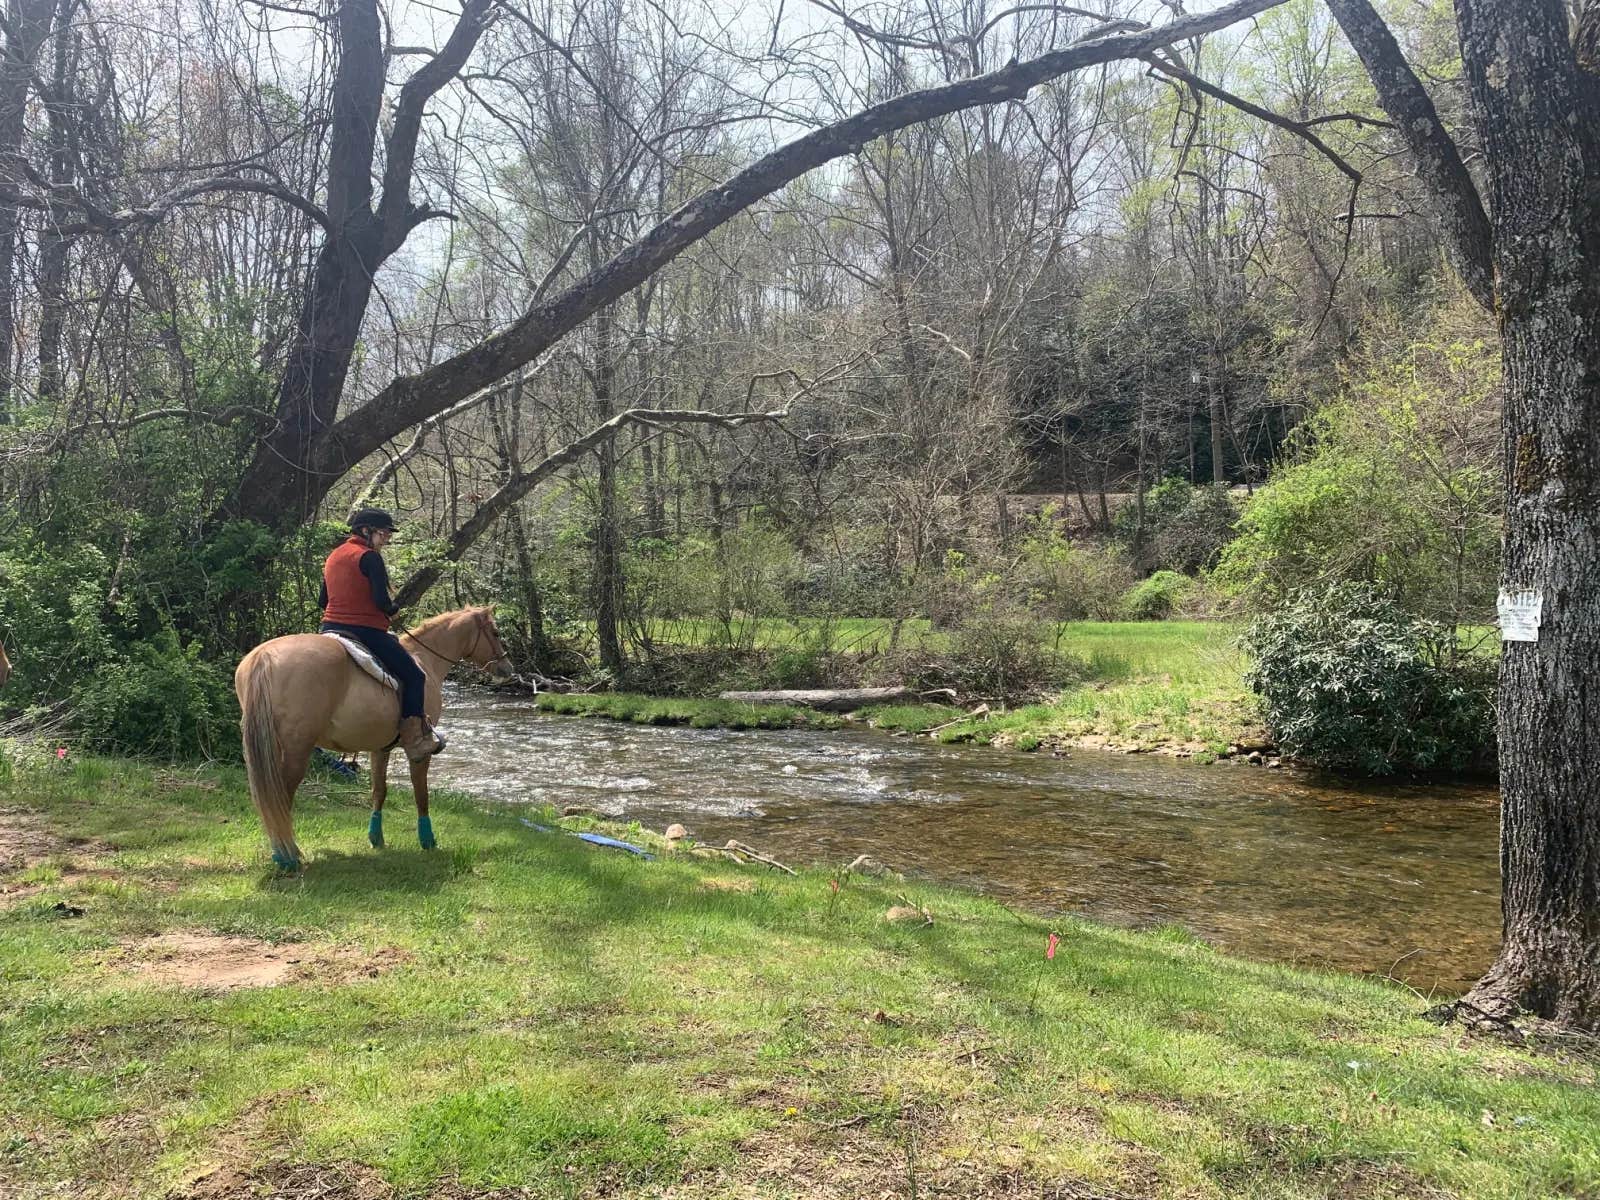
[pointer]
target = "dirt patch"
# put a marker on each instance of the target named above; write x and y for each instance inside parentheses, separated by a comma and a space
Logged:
(215, 962)
(326, 1181)
(864, 1158)
(27, 842)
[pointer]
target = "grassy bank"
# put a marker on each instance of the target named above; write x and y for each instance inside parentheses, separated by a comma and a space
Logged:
(520, 1010)
(1171, 687)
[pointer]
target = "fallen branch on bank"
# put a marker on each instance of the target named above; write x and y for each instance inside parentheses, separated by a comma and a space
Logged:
(735, 848)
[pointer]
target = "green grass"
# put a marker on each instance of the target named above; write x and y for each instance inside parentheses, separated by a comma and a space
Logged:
(1172, 686)
(545, 1015)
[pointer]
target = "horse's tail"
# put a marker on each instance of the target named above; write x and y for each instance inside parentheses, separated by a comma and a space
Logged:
(263, 764)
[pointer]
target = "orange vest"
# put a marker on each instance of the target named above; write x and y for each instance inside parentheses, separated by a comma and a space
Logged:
(349, 591)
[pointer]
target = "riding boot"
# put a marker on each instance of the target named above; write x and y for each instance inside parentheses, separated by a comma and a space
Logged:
(418, 740)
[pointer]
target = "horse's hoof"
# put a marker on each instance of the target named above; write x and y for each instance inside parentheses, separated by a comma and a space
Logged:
(375, 831)
(425, 833)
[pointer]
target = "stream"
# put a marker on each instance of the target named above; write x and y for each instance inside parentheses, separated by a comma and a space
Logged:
(1398, 879)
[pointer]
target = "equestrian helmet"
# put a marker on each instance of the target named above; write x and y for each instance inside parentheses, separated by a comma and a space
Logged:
(372, 518)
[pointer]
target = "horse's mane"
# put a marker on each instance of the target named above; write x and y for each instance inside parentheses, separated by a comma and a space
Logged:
(438, 621)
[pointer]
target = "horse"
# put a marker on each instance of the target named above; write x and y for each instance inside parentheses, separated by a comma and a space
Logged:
(5, 665)
(303, 691)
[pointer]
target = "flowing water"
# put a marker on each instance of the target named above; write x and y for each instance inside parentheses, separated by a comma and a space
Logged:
(1389, 879)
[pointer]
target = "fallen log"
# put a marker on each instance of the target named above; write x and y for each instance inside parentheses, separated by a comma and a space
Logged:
(831, 699)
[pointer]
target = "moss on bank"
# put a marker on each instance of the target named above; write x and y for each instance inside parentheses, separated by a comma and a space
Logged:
(521, 1010)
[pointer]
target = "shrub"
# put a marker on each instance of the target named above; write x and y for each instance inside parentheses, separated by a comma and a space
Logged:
(1398, 484)
(160, 699)
(999, 651)
(1350, 681)
(1185, 525)
(1154, 599)
(1066, 580)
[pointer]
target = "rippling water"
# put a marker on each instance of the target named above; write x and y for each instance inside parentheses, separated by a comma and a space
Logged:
(1269, 864)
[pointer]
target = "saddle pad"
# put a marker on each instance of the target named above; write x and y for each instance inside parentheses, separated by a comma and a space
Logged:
(363, 659)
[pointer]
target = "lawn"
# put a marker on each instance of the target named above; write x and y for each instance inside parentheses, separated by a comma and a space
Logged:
(521, 1010)
(1167, 686)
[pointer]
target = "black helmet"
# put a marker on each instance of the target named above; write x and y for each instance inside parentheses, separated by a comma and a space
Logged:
(372, 518)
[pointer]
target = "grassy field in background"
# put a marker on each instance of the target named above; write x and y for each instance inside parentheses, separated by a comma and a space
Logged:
(1169, 686)
(519, 1010)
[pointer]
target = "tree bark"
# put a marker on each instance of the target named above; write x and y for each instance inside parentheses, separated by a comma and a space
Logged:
(607, 551)
(1468, 238)
(28, 23)
(1538, 114)
(360, 237)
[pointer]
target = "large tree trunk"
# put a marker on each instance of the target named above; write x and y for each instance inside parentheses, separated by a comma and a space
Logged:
(1538, 116)
(53, 246)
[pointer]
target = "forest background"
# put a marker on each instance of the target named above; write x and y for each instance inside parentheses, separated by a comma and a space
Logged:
(1125, 351)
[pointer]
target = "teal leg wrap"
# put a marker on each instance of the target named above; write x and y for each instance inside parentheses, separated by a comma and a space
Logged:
(285, 861)
(375, 831)
(425, 833)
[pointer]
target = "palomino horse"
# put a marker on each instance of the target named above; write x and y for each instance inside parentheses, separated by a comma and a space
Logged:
(302, 691)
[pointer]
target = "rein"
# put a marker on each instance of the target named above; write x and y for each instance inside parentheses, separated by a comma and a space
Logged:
(478, 637)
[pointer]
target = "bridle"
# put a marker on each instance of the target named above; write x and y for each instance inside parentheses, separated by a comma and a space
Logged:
(482, 628)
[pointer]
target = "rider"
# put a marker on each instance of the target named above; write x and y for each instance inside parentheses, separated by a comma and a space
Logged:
(355, 604)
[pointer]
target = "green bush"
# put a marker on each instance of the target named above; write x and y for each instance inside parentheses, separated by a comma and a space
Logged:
(1064, 580)
(1185, 525)
(160, 699)
(1154, 599)
(1398, 484)
(1350, 681)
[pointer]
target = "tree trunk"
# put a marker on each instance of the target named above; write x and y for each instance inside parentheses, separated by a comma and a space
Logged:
(28, 23)
(1538, 115)
(607, 553)
(53, 246)
(532, 601)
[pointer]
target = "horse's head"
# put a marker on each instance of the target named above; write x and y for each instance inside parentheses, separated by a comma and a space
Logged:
(487, 648)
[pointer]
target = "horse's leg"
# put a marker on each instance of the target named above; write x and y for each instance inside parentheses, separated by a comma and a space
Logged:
(296, 760)
(380, 793)
(419, 785)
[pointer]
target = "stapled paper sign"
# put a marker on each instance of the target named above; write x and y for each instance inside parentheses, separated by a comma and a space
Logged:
(1520, 613)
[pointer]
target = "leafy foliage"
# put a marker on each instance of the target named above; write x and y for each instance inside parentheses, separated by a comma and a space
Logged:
(1397, 484)
(1349, 680)
(1155, 598)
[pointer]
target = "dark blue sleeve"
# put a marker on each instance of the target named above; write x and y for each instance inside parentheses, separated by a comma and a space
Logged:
(322, 596)
(378, 575)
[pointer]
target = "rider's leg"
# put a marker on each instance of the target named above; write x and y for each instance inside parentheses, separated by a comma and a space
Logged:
(416, 738)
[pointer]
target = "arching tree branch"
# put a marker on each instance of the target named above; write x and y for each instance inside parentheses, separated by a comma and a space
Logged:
(1469, 239)
(520, 483)
(290, 477)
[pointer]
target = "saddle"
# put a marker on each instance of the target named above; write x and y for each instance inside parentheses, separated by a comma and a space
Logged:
(363, 658)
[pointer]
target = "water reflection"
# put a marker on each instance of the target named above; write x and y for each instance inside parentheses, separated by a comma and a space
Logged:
(1276, 865)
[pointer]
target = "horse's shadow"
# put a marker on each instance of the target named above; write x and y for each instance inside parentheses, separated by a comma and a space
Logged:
(340, 873)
